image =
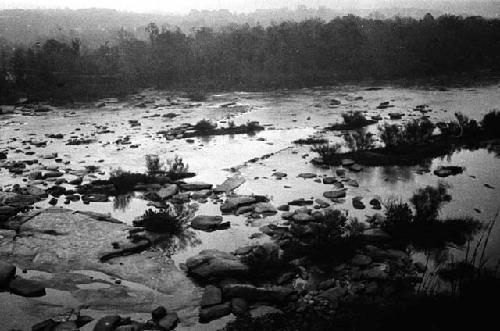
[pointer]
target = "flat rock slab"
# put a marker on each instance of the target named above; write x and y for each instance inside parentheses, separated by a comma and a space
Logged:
(230, 184)
(306, 175)
(77, 233)
(81, 243)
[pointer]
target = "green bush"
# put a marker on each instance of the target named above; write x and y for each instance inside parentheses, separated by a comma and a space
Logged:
(177, 166)
(329, 239)
(153, 165)
(418, 131)
(328, 152)
(354, 119)
(491, 124)
(360, 140)
(253, 127)
(311, 141)
(205, 126)
(398, 215)
(428, 201)
(125, 181)
(410, 133)
(173, 220)
(198, 95)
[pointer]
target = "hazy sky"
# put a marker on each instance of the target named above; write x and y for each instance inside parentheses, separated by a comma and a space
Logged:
(185, 5)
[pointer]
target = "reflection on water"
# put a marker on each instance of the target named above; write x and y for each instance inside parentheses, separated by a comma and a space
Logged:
(177, 243)
(396, 173)
(206, 139)
(121, 202)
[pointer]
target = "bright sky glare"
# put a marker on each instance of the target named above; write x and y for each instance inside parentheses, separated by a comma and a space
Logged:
(176, 6)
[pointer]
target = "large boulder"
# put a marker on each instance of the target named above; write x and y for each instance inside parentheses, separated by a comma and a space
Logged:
(265, 208)
(214, 312)
(233, 203)
(213, 263)
(167, 191)
(7, 273)
(212, 296)
(169, 322)
(6, 212)
(26, 287)
(275, 294)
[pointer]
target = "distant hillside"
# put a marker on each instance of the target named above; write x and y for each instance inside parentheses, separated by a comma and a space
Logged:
(96, 26)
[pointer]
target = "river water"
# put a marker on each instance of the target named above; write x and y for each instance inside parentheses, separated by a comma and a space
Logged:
(287, 115)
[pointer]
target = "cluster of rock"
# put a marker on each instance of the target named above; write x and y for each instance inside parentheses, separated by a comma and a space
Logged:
(229, 290)
(161, 320)
(32, 109)
(155, 101)
(18, 285)
(373, 273)
(187, 131)
(19, 199)
(256, 205)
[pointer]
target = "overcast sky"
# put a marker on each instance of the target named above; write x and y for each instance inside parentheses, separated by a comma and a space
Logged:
(183, 6)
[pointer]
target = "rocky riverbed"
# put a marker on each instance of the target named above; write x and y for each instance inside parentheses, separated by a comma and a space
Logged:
(69, 245)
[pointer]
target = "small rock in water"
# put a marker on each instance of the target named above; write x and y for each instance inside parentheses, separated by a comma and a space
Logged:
(306, 175)
(446, 171)
(334, 194)
(206, 223)
(357, 203)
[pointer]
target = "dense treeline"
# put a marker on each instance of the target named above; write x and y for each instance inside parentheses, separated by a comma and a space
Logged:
(290, 54)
